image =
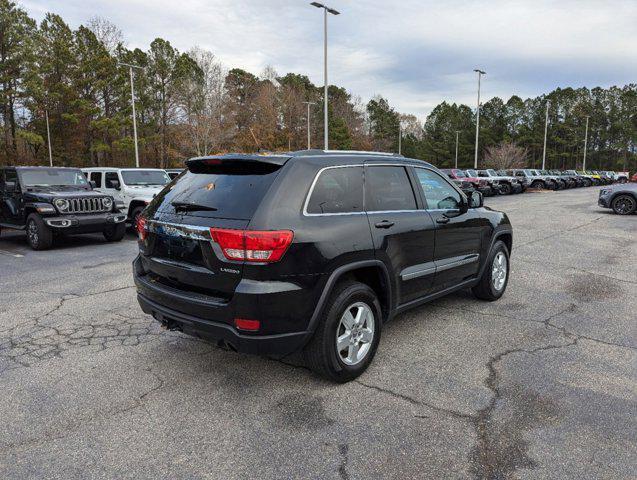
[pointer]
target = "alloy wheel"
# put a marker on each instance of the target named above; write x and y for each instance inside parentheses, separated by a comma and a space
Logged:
(499, 271)
(355, 333)
(32, 232)
(624, 205)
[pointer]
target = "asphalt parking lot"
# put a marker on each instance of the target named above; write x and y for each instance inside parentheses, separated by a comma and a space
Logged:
(541, 384)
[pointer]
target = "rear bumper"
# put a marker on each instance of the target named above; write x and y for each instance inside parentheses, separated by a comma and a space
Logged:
(283, 308)
(218, 332)
(84, 223)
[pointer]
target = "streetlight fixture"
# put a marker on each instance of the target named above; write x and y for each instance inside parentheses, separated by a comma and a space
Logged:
(585, 143)
(326, 10)
(132, 97)
(475, 161)
(308, 123)
(546, 127)
(457, 133)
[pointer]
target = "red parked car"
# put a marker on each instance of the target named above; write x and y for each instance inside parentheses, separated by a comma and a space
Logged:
(634, 178)
(480, 184)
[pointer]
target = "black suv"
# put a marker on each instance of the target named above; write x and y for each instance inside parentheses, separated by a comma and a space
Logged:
(48, 201)
(312, 251)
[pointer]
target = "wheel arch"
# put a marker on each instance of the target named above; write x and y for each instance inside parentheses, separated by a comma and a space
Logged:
(372, 273)
(136, 202)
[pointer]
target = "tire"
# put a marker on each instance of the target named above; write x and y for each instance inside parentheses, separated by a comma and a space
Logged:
(115, 233)
(624, 204)
(491, 285)
(39, 236)
(505, 189)
(537, 184)
(321, 354)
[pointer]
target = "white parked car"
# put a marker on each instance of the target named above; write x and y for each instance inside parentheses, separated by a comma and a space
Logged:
(134, 187)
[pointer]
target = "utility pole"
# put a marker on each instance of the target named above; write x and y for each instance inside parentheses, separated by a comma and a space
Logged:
(457, 133)
(546, 127)
(585, 143)
(400, 136)
(132, 96)
(475, 161)
(48, 137)
(308, 123)
(326, 10)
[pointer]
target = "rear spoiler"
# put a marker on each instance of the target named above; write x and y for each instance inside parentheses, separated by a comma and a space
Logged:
(237, 159)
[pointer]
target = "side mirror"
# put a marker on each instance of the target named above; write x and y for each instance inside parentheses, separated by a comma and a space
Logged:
(93, 184)
(476, 200)
(10, 187)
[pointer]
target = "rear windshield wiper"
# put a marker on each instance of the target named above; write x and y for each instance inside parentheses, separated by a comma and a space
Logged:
(192, 207)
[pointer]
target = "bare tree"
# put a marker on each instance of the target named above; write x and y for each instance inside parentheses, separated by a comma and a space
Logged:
(207, 129)
(506, 155)
(107, 33)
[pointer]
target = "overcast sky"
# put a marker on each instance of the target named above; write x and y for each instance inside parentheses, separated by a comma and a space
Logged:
(416, 53)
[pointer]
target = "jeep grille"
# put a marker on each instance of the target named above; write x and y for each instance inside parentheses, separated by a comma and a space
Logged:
(87, 205)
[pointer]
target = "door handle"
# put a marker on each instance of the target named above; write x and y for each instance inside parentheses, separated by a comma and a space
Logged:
(384, 224)
(442, 219)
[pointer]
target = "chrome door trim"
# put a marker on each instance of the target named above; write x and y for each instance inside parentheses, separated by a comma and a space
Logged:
(429, 268)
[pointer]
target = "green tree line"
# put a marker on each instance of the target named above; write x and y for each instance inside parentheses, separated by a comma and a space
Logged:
(188, 103)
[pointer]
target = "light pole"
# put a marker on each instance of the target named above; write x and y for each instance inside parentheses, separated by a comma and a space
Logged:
(308, 123)
(585, 144)
(475, 161)
(326, 9)
(132, 97)
(400, 137)
(457, 133)
(48, 137)
(546, 127)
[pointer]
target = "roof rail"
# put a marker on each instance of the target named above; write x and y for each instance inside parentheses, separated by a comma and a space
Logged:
(302, 153)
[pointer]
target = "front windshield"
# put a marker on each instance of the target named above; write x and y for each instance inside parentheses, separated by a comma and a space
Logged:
(570, 172)
(491, 172)
(52, 177)
(145, 177)
(472, 173)
(460, 174)
(530, 173)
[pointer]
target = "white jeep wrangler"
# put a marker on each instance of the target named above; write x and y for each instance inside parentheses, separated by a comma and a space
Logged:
(133, 187)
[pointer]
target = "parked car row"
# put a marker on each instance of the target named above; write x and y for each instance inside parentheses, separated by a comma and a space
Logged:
(506, 182)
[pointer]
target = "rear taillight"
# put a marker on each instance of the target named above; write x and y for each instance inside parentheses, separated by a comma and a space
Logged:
(142, 228)
(252, 245)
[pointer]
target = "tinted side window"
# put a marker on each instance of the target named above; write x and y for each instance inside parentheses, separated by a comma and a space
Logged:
(110, 179)
(338, 190)
(97, 178)
(388, 188)
(438, 193)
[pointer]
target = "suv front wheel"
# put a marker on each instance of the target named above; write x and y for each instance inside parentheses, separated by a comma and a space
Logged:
(495, 277)
(347, 336)
(39, 236)
(115, 233)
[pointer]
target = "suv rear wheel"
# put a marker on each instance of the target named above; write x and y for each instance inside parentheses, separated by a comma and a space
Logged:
(505, 189)
(347, 336)
(537, 184)
(39, 236)
(495, 277)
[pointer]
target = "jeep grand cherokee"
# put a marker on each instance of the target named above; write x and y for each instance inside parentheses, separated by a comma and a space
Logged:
(312, 251)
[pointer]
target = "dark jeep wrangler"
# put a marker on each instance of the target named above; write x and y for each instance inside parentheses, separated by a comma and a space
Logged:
(312, 251)
(48, 201)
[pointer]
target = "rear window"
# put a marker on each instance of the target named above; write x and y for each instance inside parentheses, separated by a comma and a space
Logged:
(388, 189)
(230, 191)
(337, 190)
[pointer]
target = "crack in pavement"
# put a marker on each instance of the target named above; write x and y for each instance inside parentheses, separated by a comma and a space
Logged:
(21, 346)
(544, 263)
(72, 426)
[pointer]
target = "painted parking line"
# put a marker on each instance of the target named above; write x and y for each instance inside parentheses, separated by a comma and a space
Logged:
(11, 254)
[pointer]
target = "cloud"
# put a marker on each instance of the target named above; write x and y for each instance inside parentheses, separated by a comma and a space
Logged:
(416, 53)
